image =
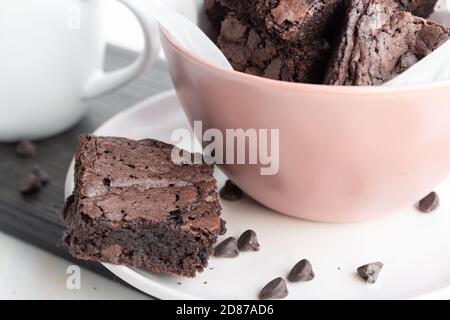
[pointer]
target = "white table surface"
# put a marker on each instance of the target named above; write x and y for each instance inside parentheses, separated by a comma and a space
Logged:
(27, 272)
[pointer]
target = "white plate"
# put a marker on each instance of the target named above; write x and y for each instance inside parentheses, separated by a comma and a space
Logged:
(414, 247)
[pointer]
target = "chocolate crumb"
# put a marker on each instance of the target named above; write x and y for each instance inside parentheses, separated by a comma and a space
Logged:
(26, 149)
(429, 203)
(275, 289)
(248, 241)
(231, 192)
(227, 248)
(370, 272)
(302, 271)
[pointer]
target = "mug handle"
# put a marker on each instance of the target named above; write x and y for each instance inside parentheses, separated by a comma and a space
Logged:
(103, 82)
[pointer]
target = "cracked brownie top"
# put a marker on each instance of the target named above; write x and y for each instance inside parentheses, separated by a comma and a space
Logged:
(252, 51)
(288, 20)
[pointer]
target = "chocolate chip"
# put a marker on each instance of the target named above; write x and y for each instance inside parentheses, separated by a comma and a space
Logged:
(275, 289)
(26, 149)
(34, 181)
(41, 174)
(302, 271)
(30, 184)
(248, 241)
(429, 203)
(227, 248)
(370, 272)
(231, 192)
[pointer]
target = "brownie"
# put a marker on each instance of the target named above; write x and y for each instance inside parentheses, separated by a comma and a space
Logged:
(288, 20)
(378, 43)
(421, 8)
(251, 50)
(132, 205)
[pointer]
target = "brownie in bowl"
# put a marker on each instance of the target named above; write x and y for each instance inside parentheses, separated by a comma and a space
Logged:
(294, 50)
(378, 43)
(288, 20)
(298, 20)
(307, 41)
(252, 51)
(133, 206)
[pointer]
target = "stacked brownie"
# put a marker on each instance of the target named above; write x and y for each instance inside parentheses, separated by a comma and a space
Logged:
(133, 205)
(337, 42)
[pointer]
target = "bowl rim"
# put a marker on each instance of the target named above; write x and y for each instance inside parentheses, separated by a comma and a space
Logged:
(301, 87)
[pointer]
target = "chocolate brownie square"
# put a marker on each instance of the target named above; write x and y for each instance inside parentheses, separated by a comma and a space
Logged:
(378, 43)
(288, 20)
(132, 205)
(253, 51)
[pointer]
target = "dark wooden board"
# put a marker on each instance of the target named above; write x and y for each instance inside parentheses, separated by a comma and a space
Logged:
(35, 219)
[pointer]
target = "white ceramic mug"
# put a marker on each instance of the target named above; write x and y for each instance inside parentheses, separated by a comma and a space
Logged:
(51, 59)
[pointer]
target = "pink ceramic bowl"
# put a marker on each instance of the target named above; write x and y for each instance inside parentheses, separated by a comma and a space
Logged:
(346, 153)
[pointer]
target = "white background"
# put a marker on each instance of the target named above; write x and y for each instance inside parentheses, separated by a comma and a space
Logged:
(30, 273)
